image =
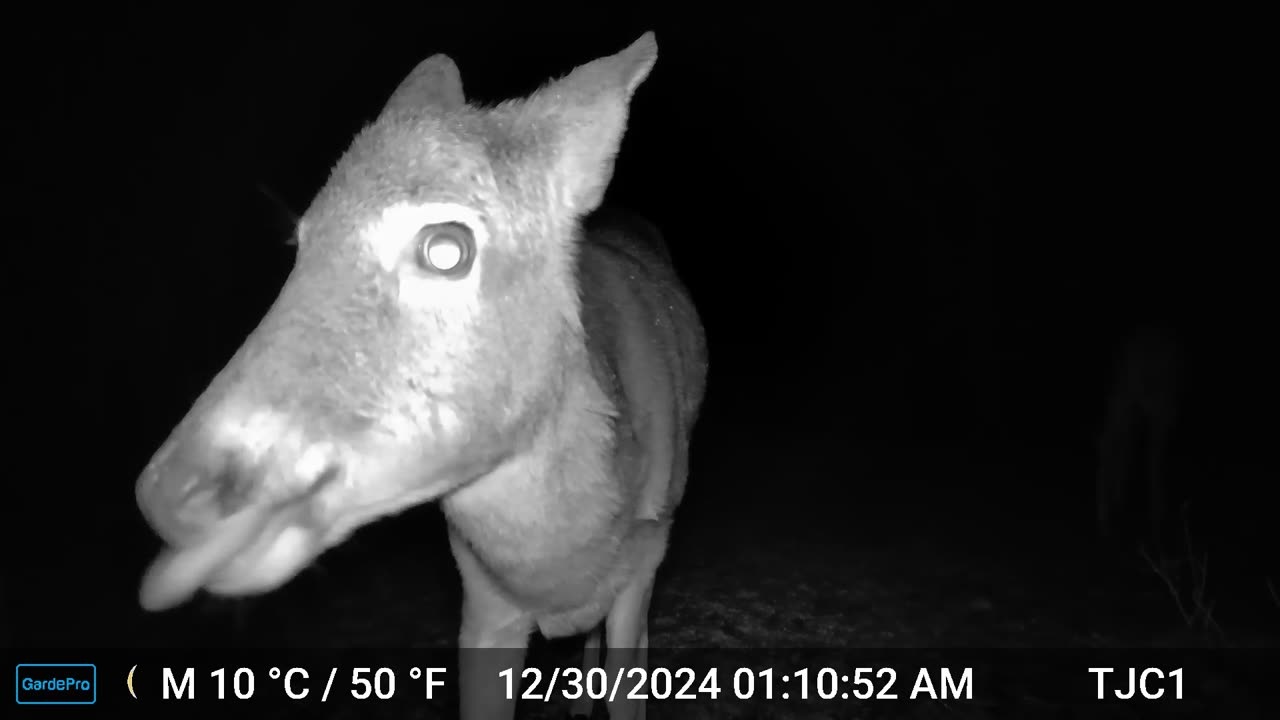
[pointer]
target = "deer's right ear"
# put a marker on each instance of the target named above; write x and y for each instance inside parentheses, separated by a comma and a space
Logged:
(590, 107)
(433, 85)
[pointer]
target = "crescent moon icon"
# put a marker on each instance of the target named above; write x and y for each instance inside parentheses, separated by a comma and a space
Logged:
(129, 682)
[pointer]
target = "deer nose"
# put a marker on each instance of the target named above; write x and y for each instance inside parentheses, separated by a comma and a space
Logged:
(189, 486)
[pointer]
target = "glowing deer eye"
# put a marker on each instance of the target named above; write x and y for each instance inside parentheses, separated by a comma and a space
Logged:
(446, 249)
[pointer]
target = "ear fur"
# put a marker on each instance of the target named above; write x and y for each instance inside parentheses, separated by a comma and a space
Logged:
(589, 108)
(434, 84)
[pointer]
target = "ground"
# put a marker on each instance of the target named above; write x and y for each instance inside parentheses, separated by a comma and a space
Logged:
(804, 567)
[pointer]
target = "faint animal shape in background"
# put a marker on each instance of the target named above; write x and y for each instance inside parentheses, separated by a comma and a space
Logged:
(1137, 433)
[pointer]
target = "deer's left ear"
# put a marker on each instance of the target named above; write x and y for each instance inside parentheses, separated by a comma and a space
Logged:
(434, 84)
(588, 110)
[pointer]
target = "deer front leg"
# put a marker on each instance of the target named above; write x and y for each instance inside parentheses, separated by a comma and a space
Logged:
(627, 625)
(627, 636)
(493, 640)
(581, 706)
(642, 653)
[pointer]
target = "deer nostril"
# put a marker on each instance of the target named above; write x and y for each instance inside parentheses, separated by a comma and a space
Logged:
(194, 505)
(233, 486)
(188, 486)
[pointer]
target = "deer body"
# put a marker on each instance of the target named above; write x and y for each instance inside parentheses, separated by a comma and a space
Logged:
(451, 331)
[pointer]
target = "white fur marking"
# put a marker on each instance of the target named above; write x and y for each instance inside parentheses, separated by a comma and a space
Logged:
(401, 426)
(450, 423)
(313, 461)
(391, 239)
(390, 236)
(255, 434)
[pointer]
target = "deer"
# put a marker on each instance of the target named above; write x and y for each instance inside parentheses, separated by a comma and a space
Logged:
(464, 323)
(1137, 430)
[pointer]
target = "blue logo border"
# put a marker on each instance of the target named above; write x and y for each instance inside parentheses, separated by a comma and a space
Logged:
(17, 684)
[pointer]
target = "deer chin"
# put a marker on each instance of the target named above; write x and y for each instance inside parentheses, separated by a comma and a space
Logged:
(271, 562)
(254, 551)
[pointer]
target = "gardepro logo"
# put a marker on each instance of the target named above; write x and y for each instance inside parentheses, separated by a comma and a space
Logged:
(53, 684)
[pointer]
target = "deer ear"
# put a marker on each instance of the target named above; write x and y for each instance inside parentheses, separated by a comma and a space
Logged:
(434, 84)
(588, 109)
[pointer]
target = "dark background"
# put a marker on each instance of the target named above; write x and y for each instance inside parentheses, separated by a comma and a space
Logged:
(916, 232)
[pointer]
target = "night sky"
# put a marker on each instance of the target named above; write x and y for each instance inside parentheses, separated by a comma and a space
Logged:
(917, 234)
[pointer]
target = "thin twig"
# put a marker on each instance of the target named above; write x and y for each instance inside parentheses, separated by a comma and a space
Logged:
(1200, 615)
(1173, 588)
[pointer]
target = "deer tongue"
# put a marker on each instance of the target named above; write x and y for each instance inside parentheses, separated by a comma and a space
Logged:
(177, 573)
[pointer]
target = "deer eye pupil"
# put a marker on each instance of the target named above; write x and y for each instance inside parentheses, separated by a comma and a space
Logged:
(446, 249)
